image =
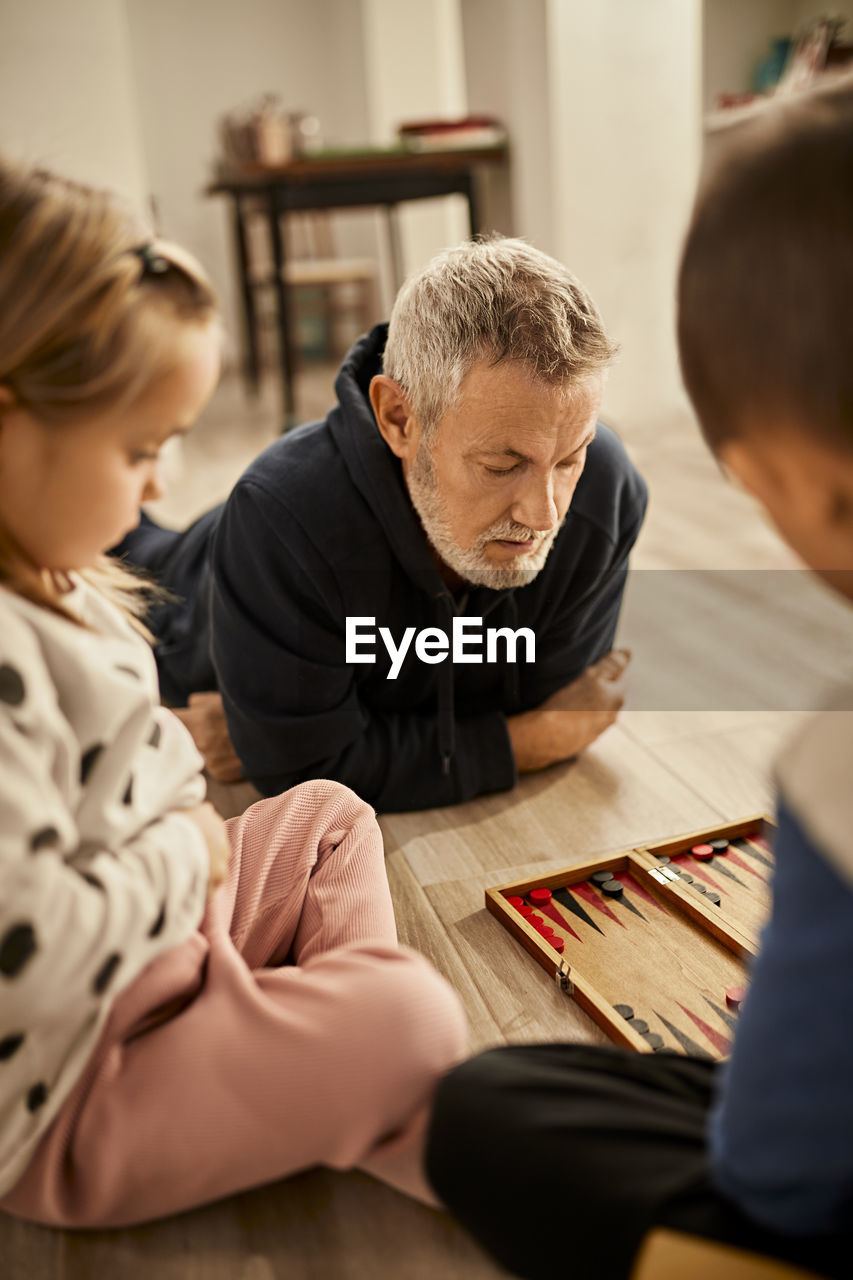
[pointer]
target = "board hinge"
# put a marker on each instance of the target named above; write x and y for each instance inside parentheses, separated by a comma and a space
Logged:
(663, 875)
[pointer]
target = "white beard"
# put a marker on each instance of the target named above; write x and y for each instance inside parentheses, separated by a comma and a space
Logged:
(472, 563)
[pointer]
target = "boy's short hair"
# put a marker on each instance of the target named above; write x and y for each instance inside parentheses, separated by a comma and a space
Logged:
(765, 316)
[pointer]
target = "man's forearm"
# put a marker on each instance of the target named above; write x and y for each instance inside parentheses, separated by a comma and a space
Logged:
(571, 718)
(544, 736)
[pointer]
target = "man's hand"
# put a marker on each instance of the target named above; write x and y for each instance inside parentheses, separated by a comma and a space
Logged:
(571, 718)
(205, 719)
(213, 829)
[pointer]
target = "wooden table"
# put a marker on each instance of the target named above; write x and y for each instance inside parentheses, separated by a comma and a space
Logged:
(340, 180)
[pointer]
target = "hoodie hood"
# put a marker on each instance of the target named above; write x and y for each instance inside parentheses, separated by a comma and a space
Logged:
(378, 476)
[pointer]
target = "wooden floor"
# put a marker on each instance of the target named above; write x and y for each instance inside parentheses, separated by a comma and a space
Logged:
(663, 770)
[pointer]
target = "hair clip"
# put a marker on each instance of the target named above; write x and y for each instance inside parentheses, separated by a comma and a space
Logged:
(153, 263)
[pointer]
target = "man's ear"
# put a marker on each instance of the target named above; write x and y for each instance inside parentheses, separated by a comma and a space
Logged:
(395, 417)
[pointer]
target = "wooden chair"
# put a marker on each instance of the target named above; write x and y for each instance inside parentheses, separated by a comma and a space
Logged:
(322, 285)
(670, 1255)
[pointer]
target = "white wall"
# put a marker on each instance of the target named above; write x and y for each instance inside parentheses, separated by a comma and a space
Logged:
(196, 59)
(66, 91)
(414, 69)
(626, 145)
(506, 66)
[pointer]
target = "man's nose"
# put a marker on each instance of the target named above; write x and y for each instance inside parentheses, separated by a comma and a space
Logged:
(536, 505)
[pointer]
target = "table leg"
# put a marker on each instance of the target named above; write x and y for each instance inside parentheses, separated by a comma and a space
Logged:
(395, 246)
(251, 360)
(473, 203)
(285, 342)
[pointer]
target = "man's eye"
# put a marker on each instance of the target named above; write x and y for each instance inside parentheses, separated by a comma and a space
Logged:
(502, 471)
(145, 455)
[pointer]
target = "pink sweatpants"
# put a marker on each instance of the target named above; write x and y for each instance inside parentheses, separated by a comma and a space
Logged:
(289, 1031)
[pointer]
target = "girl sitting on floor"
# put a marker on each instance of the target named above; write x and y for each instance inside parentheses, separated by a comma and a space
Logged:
(187, 1007)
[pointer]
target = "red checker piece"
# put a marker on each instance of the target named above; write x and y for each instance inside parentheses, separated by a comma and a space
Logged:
(735, 997)
(703, 852)
(557, 943)
(536, 921)
(516, 902)
(539, 897)
(525, 911)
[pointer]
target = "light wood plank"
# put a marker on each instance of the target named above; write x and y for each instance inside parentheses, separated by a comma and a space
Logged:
(614, 795)
(651, 727)
(419, 927)
(732, 769)
(288, 1229)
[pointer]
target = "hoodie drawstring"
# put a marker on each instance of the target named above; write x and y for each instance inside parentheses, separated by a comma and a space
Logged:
(446, 701)
(446, 682)
(511, 682)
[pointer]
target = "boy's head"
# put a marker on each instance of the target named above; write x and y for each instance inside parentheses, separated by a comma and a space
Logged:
(765, 322)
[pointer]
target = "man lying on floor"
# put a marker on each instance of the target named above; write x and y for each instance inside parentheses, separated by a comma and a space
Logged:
(418, 595)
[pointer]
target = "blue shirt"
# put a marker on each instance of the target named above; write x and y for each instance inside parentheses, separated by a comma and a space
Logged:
(781, 1132)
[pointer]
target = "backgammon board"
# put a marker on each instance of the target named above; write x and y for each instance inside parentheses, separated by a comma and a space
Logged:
(653, 942)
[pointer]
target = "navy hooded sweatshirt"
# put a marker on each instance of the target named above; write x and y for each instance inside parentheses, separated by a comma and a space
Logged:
(320, 528)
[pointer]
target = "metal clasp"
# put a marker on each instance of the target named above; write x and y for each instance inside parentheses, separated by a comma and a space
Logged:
(563, 978)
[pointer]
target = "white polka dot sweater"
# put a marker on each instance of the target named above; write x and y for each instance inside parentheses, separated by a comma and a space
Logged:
(99, 870)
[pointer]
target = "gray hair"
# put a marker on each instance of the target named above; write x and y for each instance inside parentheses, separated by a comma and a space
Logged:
(494, 300)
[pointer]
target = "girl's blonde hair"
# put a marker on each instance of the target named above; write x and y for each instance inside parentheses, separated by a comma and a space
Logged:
(88, 304)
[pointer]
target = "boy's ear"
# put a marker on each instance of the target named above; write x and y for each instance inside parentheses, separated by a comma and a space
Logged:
(7, 401)
(841, 506)
(394, 416)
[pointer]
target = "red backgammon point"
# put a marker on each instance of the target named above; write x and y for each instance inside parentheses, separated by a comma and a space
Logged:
(703, 852)
(539, 897)
(735, 997)
(516, 902)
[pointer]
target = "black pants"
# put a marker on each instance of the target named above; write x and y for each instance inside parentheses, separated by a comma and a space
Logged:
(559, 1159)
(180, 563)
